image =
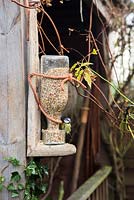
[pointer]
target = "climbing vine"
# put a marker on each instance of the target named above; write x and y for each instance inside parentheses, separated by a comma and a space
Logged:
(36, 179)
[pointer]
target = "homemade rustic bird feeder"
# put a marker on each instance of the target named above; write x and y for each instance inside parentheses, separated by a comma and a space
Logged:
(51, 98)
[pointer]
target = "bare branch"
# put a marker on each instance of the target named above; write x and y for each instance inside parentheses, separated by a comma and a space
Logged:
(51, 178)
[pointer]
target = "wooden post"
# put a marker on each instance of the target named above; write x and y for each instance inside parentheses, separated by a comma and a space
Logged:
(12, 89)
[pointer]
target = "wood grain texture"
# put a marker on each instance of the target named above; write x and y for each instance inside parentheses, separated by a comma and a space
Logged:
(52, 150)
(103, 9)
(34, 127)
(12, 88)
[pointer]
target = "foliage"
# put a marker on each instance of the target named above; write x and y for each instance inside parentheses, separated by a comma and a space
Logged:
(2, 180)
(13, 161)
(35, 184)
(81, 70)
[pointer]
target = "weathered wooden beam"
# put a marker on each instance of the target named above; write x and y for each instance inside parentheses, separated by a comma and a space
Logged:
(103, 9)
(12, 89)
(85, 190)
(34, 122)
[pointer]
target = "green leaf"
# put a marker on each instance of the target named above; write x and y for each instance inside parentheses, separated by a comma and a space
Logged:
(77, 70)
(94, 52)
(80, 75)
(31, 169)
(45, 170)
(14, 194)
(34, 198)
(131, 115)
(2, 179)
(27, 195)
(20, 186)
(11, 187)
(13, 161)
(15, 177)
(1, 187)
(74, 66)
(43, 187)
(87, 78)
(32, 185)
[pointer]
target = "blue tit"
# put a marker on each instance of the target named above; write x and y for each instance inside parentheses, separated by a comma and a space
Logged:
(67, 125)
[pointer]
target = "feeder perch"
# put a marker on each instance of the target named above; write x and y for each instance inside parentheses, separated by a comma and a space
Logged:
(53, 97)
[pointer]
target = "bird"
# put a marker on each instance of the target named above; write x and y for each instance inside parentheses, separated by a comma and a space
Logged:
(67, 125)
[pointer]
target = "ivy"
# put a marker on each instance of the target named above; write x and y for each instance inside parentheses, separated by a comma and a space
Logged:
(35, 184)
(20, 187)
(15, 177)
(13, 161)
(15, 194)
(11, 187)
(35, 172)
(2, 180)
(15, 187)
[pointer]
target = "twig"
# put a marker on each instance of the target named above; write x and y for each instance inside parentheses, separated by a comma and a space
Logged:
(96, 102)
(78, 52)
(41, 29)
(65, 78)
(111, 84)
(42, 51)
(90, 28)
(4, 168)
(117, 96)
(103, 97)
(61, 191)
(32, 6)
(84, 117)
(103, 64)
(81, 13)
(56, 31)
(42, 41)
(51, 178)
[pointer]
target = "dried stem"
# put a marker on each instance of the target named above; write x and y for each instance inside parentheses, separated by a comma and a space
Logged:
(42, 41)
(51, 178)
(103, 64)
(104, 97)
(56, 31)
(129, 78)
(32, 6)
(65, 78)
(42, 31)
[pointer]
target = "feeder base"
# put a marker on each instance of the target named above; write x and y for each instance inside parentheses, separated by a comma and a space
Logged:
(52, 150)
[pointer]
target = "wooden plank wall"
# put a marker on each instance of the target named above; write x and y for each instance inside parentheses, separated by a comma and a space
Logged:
(34, 126)
(12, 88)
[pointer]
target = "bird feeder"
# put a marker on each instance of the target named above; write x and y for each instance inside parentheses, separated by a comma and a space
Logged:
(50, 91)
